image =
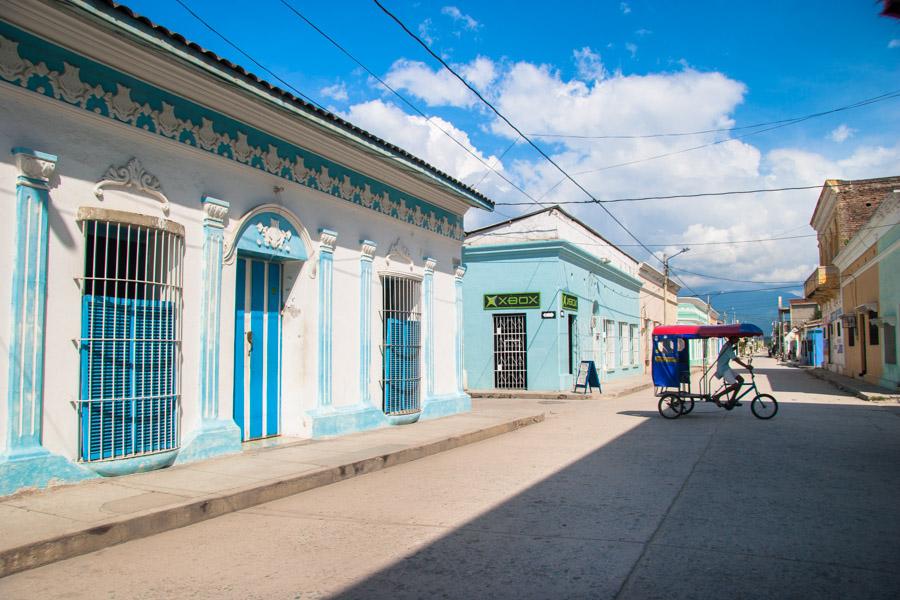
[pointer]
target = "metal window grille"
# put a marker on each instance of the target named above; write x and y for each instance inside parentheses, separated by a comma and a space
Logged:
(510, 352)
(610, 328)
(401, 344)
(130, 341)
(626, 345)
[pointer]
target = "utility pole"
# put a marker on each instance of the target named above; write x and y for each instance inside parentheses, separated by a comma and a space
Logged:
(665, 261)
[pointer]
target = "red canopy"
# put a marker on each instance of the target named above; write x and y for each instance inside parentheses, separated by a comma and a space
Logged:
(709, 331)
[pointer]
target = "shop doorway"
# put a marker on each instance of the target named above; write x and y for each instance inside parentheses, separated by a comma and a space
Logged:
(510, 352)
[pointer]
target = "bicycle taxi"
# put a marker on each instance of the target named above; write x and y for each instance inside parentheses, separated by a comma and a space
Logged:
(672, 371)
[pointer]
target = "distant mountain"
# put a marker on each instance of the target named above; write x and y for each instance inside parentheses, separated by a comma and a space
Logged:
(757, 307)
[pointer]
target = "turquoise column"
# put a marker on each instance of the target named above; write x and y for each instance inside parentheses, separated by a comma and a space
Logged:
(458, 283)
(366, 256)
(214, 436)
(428, 317)
(327, 239)
(25, 462)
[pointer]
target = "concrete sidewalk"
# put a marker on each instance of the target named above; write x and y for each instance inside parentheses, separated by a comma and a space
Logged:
(45, 526)
(609, 390)
(860, 389)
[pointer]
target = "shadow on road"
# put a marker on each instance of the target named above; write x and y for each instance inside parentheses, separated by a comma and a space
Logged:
(800, 506)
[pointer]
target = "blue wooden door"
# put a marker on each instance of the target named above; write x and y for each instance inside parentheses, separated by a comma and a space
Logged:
(257, 348)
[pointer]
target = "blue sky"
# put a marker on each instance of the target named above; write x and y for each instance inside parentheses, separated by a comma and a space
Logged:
(599, 68)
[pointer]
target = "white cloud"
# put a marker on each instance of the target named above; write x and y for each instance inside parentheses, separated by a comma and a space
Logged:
(338, 91)
(439, 87)
(425, 32)
(632, 49)
(642, 32)
(589, 64)
(467, 21)
(894, 43)
(840, 133)
(624, 8)
(415, 135)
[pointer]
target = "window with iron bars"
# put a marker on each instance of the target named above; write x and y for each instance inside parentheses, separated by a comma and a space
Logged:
(130, 339)
(610, 342)
(635, 345)
(401, 316)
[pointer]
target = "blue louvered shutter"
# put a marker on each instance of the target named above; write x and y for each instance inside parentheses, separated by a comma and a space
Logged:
(392, 366)
(411, 361)
(155, 354)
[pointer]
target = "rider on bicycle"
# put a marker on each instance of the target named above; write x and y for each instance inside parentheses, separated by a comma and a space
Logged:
(733, 381)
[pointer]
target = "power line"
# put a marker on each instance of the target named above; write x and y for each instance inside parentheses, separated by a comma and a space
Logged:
(250, 58)
(705, 276)
(722, 129)
(403, 98)
(672, 196)
(509, 123)
(880, 98)
(722, 293)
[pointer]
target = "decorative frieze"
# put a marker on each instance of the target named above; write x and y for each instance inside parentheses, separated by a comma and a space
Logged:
(86, 84)
(272, 235)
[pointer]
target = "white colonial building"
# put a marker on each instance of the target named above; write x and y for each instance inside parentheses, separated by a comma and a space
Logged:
(194, 258)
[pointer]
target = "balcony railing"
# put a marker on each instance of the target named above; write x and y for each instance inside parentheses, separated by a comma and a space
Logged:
(823, 284)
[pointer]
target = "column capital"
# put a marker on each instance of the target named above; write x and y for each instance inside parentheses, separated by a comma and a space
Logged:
(459, 272)
(215, 211)
(430, 263)
(36, 168)
(367, 252)
(327, 239)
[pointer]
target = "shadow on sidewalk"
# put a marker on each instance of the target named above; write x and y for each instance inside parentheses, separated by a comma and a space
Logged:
(799, 506)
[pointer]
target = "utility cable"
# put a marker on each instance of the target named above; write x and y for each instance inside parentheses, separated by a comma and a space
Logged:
(722, 129)
(705, 276)
(510, 124)
(674, 196)
(402, 98)
(250, 58)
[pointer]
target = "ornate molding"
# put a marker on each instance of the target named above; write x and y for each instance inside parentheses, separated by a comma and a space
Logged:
(430, 263)
(272, 235)
(37, 167)
(133, 176)
(367, 252)
(215, 212)
(459, 272)
(163, 113)
(398, 252)
(327, 240)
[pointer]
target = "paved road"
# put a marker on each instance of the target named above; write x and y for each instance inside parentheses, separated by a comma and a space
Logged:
(603, 500)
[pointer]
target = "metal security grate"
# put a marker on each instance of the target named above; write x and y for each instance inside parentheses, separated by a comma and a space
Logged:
(401, 344)
(510, 352)
(130, 340)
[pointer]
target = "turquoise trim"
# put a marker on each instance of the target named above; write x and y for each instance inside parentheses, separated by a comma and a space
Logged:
(428, 317)
(326, 334)
(37, 469)
(446, 405)
(331, 421)
(212, 438)
(365, 319)
(127, 466)
(271, 237)
(551, 248)
(52, 71)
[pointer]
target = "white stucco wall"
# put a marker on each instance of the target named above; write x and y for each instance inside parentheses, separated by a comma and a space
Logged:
(86, 146)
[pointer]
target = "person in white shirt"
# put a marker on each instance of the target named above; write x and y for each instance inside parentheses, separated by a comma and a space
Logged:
(724, 371)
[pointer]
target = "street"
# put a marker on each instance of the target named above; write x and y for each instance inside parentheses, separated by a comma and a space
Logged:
(605, 499)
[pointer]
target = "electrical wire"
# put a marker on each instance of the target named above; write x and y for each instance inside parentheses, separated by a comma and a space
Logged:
(250, 58)
(723, 129)
(510, 124)
(402, 98)
(705, 276)
(673, 196)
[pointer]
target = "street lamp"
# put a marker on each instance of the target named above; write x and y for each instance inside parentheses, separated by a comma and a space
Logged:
(665, 261)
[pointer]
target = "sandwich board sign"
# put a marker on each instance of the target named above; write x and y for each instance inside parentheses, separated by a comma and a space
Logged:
(586, 376)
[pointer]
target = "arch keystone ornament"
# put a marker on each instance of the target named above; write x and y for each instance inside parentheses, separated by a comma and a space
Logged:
(25, 462)
(132, 176)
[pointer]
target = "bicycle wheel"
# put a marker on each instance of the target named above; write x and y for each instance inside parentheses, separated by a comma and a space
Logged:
(671, 406)
(764, 406)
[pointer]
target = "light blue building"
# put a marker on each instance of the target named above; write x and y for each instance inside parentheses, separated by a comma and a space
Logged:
(542, 293)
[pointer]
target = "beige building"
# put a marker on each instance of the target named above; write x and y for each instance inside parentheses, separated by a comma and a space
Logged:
(659, 305)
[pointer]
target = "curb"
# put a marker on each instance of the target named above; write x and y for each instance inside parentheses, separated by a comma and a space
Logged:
(151, 522)
(867, 396)
(552, 395)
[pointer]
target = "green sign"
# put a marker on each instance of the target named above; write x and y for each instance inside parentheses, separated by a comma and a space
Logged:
(512, 301)
(569, 302)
